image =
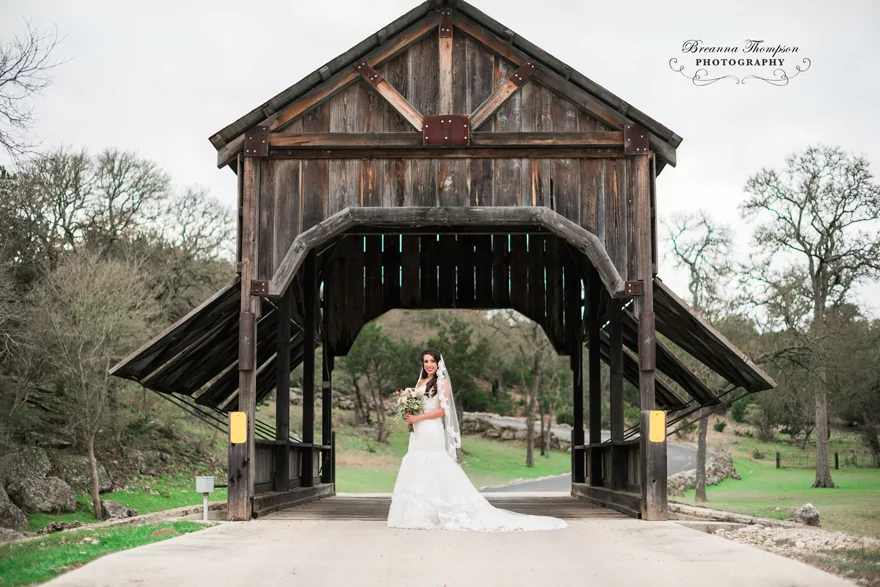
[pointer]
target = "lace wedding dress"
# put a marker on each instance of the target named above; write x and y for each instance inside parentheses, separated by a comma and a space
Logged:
(433, 492)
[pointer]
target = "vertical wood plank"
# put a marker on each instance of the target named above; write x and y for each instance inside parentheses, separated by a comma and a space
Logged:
(371, 118)
(327, 458)
(424, 89)
(452, 174)
(565, 185)
(428, 270)
(288, 207)
(464, 277)
(397, 189)
(445, 80)
(446, 254)
(508, 118)
(632, 261)
(315, 173)
(409, 287)
(594, 290)
(345, 173)
(500, 271)
(308, 384)
(615, 216)
(519, 281)
(554, 294)
(479, 75)
(391, 271)
(354, 288)
(537, 287)
(483, 270)
(282, 394)
(588, 193)
(373, 276)
(536, 173)
(266, 230)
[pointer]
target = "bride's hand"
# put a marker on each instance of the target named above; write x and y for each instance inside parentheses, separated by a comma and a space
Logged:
(412, 418)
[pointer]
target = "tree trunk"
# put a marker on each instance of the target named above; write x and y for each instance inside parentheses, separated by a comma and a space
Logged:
(701, 459)
(530, 412)
(870, 434)
(96, 484)
(543, 443)
(551, 415)
(807, 434)
(823, 467)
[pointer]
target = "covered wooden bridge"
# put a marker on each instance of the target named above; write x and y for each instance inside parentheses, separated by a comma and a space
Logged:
(443, 162)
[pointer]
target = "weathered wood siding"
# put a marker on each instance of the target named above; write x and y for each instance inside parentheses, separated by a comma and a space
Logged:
(596, 193)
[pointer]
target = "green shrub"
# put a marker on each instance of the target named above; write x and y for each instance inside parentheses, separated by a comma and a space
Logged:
(720, 425)
(738, 410)
(758, 454)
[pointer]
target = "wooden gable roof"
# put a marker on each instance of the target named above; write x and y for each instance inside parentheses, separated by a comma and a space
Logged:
(390, 41)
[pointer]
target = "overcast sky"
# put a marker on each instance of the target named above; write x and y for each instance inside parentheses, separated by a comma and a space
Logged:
(160, 77)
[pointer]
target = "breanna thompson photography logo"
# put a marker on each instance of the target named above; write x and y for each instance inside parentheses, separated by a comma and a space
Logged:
(754, 60)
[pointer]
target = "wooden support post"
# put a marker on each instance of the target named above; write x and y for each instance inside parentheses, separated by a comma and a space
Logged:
(282, 396)
(653, 452)
(240, 480)
(310, 318)
(577, 379)
(618, 456)
(327, 405)
(594, 290)
(445, 80)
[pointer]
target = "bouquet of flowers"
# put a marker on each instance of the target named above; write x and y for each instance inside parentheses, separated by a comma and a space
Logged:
(408, 401)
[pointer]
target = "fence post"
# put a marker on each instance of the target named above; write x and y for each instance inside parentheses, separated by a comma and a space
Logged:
(836, 460)
(778, 460)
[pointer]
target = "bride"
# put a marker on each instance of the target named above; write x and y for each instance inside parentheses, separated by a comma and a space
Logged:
(432, 491)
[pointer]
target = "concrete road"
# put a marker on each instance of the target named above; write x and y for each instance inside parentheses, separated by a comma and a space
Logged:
(320, 553)
(680, 457)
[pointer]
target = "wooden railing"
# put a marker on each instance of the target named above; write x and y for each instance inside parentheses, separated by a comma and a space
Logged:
(266, 455)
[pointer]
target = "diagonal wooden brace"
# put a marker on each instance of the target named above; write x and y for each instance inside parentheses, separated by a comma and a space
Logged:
(391, 95)
(485, 110)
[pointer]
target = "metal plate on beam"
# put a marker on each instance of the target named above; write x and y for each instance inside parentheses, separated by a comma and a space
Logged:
(523, 73)
(259, 287)
(635, 139)
(445, 25)
(369, 74)
(256, 142)
(632, 288)
(446, 130)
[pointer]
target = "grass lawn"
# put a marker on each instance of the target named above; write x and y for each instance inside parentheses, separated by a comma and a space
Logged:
(146, 494)
(37, 561)
(764, 490)
(365, 466)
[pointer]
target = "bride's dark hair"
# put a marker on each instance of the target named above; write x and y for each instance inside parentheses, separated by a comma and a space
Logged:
(431, 386)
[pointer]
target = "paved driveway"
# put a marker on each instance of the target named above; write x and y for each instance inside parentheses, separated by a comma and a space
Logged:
(319, 553)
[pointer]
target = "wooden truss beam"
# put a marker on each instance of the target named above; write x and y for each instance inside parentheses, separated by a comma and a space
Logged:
(390, 93)
(558, 84)
(503, 93)
(404, 140)
(335, 83)
(445, 42)
(393, 218)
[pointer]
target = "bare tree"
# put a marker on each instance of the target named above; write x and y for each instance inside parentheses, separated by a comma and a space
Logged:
(703, 249)
(25, 64)
(815, 219)
(88, 314)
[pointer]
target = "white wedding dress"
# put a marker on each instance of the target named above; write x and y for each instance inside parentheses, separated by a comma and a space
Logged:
(432, 492)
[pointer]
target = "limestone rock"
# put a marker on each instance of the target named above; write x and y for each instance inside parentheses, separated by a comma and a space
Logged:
(7, 535)
(49, 494)
(11, 517)
(76, 472)
(53, 527)
(113, 509)
(807, 514)
(719, 466)
(29, 462)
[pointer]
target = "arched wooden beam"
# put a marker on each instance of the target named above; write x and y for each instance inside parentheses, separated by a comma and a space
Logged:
(409, 217)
